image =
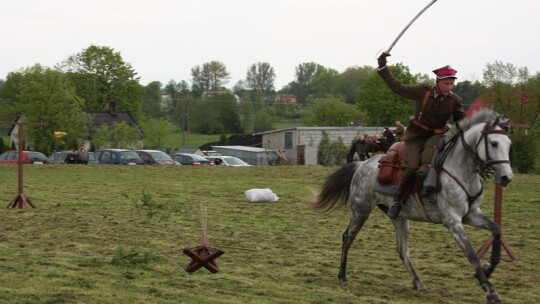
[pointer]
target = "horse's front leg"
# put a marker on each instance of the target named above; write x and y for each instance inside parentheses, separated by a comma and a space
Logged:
(479, 220)
(402, 234)
(460, 236)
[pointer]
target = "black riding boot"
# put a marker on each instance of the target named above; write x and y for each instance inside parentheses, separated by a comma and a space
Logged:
(404, 183)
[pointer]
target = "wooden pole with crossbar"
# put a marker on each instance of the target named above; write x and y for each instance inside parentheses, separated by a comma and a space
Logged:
(21, 200)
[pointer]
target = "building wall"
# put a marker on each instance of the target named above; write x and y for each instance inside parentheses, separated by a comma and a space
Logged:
(310, 138)
(255, 157)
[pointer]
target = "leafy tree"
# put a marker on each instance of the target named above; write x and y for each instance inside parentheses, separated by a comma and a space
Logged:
(525, 148)
(324, 153)
(211, 76)
(155, 130)
(46, 96)
(326, 83)
(216, 113)
(381, 105)
(152, 99)
(352, 80)
(118, 135)
(338, 150)
(305, 72)
(512, 91)
(261, 76)
(300, 87)
(263, 121)
(467, 91)
(3, 146)
(331, 111)
(101, 136)
(100, 76)
(246, 115)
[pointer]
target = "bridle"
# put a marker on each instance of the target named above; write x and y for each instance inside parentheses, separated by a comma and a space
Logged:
(489, 128)
(484, 166)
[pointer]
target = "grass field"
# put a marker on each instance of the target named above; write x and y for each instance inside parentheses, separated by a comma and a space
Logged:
(115, 234)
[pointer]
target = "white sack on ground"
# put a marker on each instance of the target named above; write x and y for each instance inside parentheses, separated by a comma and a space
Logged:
(260, 195)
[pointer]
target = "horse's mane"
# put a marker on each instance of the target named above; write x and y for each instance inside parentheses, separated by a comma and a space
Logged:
(480, 116)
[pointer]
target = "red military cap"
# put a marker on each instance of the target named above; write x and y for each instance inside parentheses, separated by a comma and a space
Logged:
(445, 72)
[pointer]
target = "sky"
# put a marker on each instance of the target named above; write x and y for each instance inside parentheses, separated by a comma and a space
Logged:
(163, 39)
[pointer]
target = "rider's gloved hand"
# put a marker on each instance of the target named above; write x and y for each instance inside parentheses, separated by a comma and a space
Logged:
(382, 60)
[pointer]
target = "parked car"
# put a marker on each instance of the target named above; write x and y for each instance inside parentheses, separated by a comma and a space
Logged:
(155, 157)
(28, 157)
(189, 159)
(60, 157)
(227, 161)
(117, 157)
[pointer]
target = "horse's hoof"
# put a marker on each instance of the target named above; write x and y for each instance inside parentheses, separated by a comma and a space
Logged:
(494, 298)
(342, 279)
(419, 286)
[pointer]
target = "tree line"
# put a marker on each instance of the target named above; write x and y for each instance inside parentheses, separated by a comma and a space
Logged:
(60, 96)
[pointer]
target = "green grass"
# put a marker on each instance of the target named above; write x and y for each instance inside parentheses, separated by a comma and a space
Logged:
(115, 234)
(176, 140)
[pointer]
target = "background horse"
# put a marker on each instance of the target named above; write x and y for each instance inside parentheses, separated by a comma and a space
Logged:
(381, 144)
(475, 146)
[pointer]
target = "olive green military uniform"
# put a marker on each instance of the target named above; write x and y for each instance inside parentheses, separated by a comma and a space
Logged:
(435, 116)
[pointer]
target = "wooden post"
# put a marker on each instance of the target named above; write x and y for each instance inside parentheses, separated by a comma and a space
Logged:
(497, 217)
(20, 200)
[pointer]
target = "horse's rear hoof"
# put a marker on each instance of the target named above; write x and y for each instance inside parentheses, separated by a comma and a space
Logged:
(494, 298)
(342, 278)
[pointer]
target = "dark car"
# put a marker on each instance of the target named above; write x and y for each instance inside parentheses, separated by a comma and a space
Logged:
(117, 157)
(28, 157)
(60, 157)
(155, 157)
(189, 159)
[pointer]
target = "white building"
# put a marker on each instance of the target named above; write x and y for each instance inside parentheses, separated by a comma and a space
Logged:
(300, 145)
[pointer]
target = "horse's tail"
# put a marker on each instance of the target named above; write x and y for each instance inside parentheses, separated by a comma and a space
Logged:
(335, 190)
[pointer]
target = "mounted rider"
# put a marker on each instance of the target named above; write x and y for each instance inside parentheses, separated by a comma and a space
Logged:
(435, 105)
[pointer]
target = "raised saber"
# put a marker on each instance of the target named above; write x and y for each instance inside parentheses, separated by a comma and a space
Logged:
(408, 25)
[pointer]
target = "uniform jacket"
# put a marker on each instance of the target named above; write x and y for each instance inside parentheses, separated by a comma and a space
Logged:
(435, 114)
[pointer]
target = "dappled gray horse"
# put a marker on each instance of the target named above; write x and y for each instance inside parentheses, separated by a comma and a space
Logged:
(473, 148)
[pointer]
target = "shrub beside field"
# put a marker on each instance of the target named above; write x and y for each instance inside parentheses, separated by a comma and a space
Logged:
(115, 234)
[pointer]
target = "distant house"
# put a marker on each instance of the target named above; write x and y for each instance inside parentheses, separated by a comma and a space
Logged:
(210, 93)
(109, 117)
(286, 98)
(300, 145)
(165, 102)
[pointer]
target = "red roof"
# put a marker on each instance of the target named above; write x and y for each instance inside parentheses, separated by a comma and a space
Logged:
(475, 106)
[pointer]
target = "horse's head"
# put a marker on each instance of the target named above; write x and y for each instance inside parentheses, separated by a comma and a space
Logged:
(492, 148)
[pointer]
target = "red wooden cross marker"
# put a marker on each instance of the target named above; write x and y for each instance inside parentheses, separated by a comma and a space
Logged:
(498, 220)
(203, 256)
(21, 200)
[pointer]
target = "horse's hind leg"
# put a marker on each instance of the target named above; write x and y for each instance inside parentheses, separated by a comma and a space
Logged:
(402, 234)
(356, 222)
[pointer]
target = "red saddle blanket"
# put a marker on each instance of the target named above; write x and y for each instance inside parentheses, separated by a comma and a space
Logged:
(390, 164)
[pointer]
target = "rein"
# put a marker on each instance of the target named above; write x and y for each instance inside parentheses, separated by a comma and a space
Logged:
(484, 166)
